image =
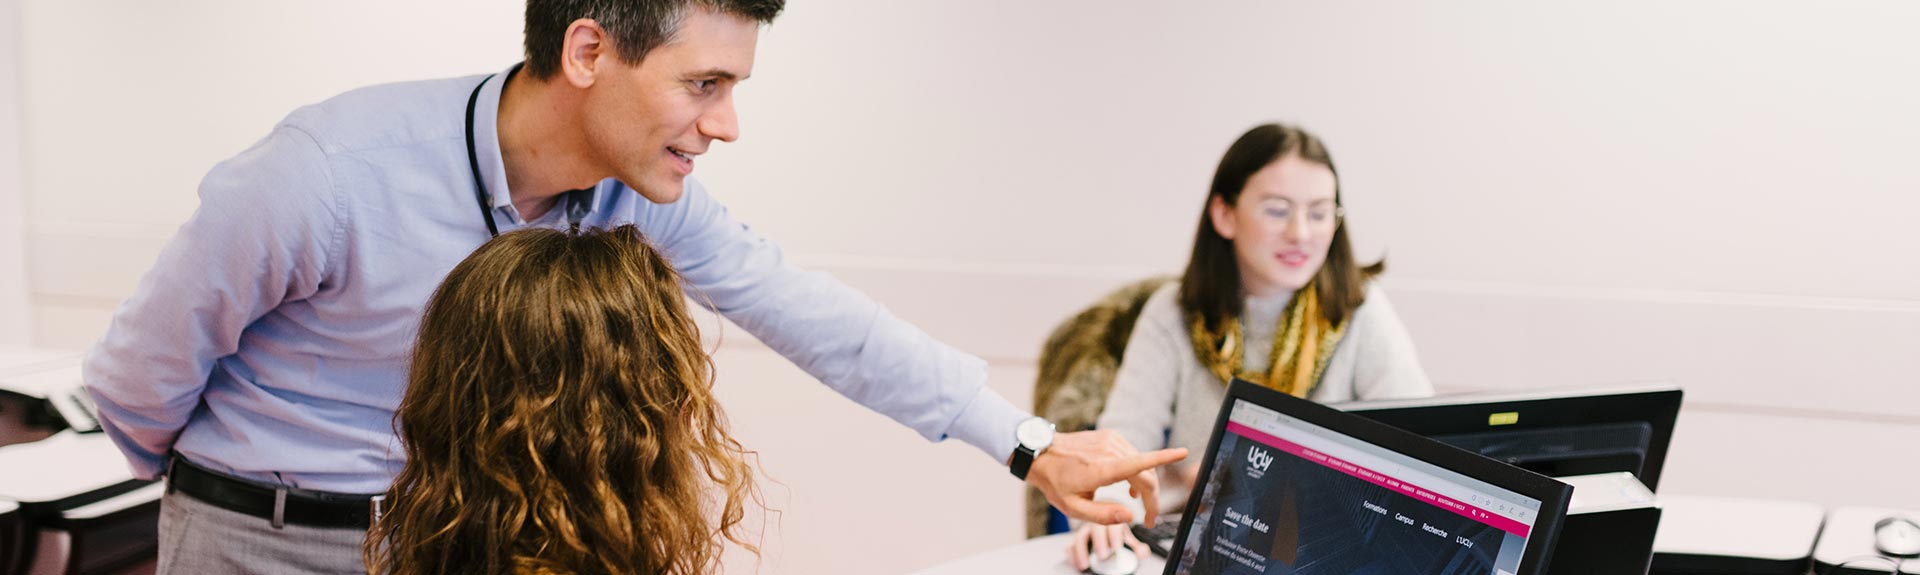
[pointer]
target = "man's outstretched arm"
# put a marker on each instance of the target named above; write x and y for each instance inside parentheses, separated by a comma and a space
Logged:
(860, 350)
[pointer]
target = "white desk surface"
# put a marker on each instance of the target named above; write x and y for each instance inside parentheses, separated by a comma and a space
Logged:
(66, 464)
(1735, 527)
(1044, 555)
(43, 380)
(36, 372)
(27, 357)
(1848, 535)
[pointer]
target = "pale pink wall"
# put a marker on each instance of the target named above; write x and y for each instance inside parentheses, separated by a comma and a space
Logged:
(1713, 193)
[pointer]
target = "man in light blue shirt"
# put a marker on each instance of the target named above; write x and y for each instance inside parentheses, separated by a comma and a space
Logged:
(259, 363)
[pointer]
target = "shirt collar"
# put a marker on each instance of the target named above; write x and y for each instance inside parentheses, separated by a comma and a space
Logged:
(593, 199)
(486, 136)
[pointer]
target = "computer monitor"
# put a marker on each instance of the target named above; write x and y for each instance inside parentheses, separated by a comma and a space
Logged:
(1292, 486)
(1555, 432)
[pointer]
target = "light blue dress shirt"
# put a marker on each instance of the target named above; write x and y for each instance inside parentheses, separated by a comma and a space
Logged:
(270, 340)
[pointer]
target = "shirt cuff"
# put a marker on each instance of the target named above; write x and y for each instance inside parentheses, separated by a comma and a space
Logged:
(987, 422)
(144, 465)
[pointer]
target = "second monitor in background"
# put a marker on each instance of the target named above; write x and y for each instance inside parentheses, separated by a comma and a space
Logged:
(1558, 432)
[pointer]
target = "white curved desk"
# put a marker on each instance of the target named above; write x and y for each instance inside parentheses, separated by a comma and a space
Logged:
(61, 466)
(1039, 556)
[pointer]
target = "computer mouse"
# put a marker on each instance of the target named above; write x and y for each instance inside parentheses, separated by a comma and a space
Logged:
(1897, 537)
(1123, 561)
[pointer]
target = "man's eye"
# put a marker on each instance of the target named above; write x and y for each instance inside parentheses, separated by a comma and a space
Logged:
(703, 85)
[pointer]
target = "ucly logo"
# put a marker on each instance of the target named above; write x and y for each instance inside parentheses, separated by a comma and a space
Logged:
(1259, 459)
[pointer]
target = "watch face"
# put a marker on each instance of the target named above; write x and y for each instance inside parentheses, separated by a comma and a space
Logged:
(1034, 433)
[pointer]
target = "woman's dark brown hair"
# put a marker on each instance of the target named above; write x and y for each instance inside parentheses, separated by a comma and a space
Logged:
(558, 417)
(1211, 287)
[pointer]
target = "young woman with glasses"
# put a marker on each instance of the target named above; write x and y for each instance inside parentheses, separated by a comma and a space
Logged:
(1273, 295)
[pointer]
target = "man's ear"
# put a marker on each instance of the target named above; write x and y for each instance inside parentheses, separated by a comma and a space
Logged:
(1222, 216)
(586, 52)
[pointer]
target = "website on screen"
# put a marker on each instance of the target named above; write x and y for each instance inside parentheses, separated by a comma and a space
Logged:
(1286, 496)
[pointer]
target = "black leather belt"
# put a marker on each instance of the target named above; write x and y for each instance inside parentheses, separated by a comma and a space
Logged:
(279, 505)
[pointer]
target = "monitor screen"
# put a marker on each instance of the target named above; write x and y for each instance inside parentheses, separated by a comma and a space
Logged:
(1555, 432)
(1286, 492)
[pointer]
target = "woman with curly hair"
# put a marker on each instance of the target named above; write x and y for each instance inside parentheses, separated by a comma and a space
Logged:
(558, 419)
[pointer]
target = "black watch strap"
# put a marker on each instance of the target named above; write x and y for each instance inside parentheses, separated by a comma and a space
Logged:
(1022, 462)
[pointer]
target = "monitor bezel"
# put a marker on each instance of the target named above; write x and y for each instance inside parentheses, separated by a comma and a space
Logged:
(1585, 405)
(1553, 495)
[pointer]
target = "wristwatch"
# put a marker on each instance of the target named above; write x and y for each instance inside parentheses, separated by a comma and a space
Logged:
(1035, 435)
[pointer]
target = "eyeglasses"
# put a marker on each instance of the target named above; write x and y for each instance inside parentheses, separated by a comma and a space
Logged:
(1317, 218)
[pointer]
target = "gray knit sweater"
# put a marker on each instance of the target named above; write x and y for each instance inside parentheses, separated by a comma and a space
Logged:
(1163, 397)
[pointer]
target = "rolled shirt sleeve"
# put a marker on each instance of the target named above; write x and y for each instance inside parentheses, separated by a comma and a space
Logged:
(833, 332)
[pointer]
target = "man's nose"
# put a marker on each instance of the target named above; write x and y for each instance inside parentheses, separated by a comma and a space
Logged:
(719, 122)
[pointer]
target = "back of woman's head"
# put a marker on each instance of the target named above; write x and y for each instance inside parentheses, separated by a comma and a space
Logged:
(558, 415)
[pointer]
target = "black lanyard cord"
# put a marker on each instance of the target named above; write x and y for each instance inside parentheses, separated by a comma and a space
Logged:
(473, 163)
(577, 202)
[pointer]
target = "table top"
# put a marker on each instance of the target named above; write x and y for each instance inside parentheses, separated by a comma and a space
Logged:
(1736, 527)
(1848, 537)
(1042, 555)
(15, 357)
(61, 466)
(38, 372)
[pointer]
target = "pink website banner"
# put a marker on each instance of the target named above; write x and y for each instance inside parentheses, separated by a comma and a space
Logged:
(1410, 490)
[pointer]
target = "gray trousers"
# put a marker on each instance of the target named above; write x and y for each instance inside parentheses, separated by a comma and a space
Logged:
(197, 538)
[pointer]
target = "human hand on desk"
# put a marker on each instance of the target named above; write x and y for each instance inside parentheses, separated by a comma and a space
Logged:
(1078, 463)
(1106, 539)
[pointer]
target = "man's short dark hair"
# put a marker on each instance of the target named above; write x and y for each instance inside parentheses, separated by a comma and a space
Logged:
(636, 26)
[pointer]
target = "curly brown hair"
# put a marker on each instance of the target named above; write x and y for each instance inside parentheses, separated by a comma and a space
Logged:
(559, 417)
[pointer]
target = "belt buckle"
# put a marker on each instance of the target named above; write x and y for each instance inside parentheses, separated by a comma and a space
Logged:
(375, 506)
(279, 507)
